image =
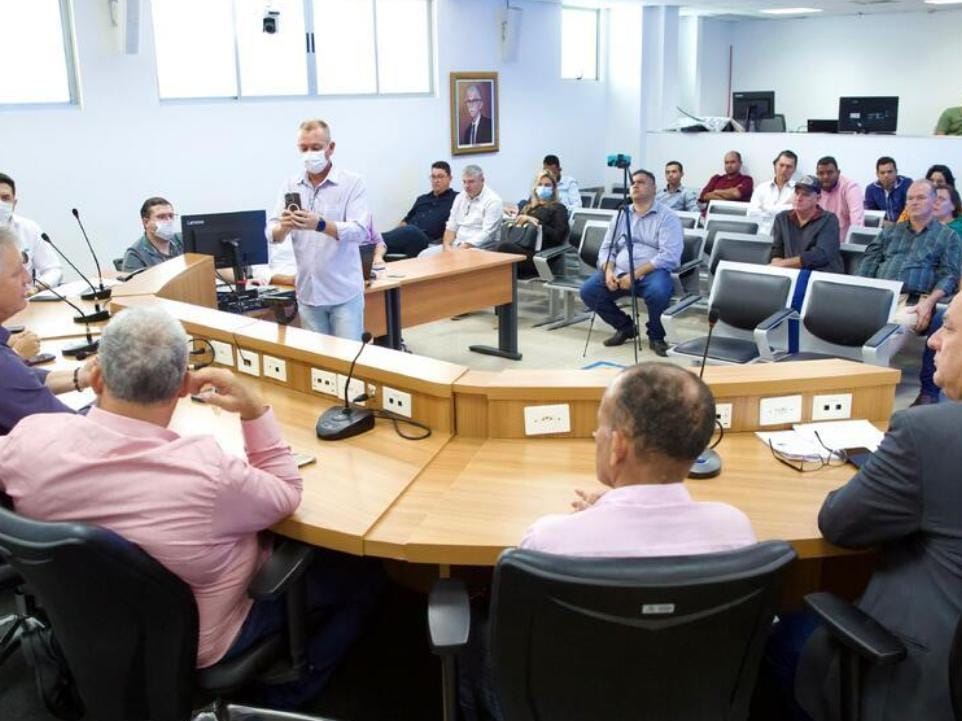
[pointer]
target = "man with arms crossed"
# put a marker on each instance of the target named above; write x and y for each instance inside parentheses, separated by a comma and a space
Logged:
(424, 223)
(475, 220)
(730, 186)
(326, 230)
(657, 243)
(907, 501)
(188, 503)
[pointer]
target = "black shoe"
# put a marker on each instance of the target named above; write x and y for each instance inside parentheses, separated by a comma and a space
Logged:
(620, 337)
(659, 347)
(924, 399)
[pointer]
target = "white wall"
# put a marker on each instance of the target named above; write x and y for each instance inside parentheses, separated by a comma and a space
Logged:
(123, 145)
(912, 55)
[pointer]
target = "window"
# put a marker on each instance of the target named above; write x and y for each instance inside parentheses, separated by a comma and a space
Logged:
(321, 47)
(36, 52)
(579, 44)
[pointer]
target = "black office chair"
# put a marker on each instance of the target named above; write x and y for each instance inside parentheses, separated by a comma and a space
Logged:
(717, 225)
(740, 248)
(581, 216)
(774, 124)
(118, 263)
(569, 286)
(610, 201)
(16, 623)
(128, 626)
(851, 257)
(644, 638)
(685, 278)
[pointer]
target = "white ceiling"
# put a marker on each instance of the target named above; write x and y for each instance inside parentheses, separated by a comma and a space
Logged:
(744, 9)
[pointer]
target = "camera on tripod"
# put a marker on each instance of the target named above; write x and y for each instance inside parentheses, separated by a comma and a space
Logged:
(619, 160)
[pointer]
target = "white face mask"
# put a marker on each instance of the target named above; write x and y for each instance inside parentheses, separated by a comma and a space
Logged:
(6, 210)
(315, 162)
(165, 230)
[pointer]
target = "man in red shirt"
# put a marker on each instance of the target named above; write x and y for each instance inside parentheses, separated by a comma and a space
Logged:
(730, 186)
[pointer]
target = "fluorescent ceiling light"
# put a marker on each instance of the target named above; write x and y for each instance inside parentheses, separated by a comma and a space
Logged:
(943, 2)
(799, 11)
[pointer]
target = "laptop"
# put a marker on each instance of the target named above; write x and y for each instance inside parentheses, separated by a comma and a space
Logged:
(367, 261)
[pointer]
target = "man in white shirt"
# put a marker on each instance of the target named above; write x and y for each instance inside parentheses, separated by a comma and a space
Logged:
(771, 198)
(326, 229)
(568, 192)
(475, 220)
(41, 260)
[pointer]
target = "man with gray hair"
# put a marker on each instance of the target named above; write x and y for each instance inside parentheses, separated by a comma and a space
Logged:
(475, 220)
(24, 390)
(183, 499)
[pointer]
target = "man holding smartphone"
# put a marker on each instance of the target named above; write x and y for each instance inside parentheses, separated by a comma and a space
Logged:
(325, 213)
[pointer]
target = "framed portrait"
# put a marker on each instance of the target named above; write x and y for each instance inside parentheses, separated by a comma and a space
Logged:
(474, 113)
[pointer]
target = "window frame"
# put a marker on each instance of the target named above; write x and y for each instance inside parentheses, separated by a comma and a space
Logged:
(598, 18)
(71, 66)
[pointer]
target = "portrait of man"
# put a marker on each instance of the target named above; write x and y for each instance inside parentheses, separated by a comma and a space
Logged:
(474, 113)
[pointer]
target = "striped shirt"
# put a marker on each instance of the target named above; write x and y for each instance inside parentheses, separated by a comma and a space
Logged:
(923, 260)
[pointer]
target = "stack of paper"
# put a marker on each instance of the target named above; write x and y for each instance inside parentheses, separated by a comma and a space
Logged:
(802, 442)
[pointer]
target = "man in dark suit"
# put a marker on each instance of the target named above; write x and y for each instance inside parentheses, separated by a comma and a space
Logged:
(478, 131)
(907, 500)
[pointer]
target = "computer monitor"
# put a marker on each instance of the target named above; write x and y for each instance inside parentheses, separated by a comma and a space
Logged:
(235, 240)
(750, 106)
(868, 115)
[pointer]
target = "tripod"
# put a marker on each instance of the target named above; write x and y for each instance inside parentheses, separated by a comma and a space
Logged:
(624, 211)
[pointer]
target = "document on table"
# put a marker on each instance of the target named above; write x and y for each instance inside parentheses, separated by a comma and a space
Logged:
(793, 444)
(802, 442)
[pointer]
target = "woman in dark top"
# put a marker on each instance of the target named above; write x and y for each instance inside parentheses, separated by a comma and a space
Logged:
(546, 210)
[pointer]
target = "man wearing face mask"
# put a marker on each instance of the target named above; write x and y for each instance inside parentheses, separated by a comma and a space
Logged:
(160, 240)
(326, 226)
(41, 260)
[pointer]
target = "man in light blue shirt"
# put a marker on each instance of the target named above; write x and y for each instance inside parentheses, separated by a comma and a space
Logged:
(568, 192)
(675, 195)
(326, 228)
(657, 242)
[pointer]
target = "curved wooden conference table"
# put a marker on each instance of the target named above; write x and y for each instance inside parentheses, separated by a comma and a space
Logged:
(470, 490)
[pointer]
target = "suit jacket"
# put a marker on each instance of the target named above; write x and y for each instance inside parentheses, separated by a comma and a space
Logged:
(908, 500)
(484, 136)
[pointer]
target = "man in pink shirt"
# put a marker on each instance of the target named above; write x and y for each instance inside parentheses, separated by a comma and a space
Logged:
(653, 422)
(840, 196)
(192, 506)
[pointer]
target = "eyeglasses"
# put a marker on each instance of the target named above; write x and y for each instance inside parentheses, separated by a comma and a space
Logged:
(809, 464)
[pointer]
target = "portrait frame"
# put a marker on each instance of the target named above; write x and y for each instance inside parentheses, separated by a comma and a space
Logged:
(486, 126)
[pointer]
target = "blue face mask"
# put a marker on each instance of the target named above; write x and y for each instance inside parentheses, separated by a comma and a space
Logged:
(544, 192)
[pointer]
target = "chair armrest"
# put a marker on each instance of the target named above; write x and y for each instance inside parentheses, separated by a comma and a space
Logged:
(449, 616)
(681, 306)
(883, 335)
(886, 342)
(286, 564)
(856, 630)
(688, 267)
(766, 327)
(549, 253)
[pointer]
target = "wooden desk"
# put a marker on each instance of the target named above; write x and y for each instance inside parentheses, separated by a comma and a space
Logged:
(455, 282)
(54, 318)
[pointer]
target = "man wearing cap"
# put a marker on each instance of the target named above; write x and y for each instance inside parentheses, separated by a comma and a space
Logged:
(806, 236)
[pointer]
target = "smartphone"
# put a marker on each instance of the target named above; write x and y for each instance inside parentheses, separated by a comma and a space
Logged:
(303, 459)
(292, 201)
(40, 358)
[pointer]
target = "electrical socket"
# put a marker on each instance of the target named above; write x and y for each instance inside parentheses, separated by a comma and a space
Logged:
(780, 410)
(275, 368)
(539, 420)
(396, 401)
(723, 413)
(223, 353)
(832, 407)
(357, 388)
(323, 382)
(248, 362)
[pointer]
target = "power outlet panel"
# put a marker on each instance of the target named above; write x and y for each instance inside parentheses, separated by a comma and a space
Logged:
(323, 382)
(275, 368)
(248, 362)
(834, 407)
(357, 388)
(396, 401)
(780, 410)
(541, 420)
(223, 353)
(723, 414)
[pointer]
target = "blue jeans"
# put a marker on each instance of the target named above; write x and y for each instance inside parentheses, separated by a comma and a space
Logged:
(927, 371)
(407, 239)
(655, 289)
(345, 320)
(341, 591)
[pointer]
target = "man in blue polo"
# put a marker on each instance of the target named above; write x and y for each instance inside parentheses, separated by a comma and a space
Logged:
(657, 243)
(888, 191)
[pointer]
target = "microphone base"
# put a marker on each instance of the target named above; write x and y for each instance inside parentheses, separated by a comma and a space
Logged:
(335, 424)
(102, 294)
(98, 317)
(83, 347)
(707, 465)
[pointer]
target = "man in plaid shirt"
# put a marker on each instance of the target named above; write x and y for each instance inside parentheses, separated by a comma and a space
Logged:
(925, 256)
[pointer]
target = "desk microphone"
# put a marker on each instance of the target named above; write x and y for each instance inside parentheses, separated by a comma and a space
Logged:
(102, 293)
(83, 348)
(345, 422)
(709, 463)
(98, 314)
